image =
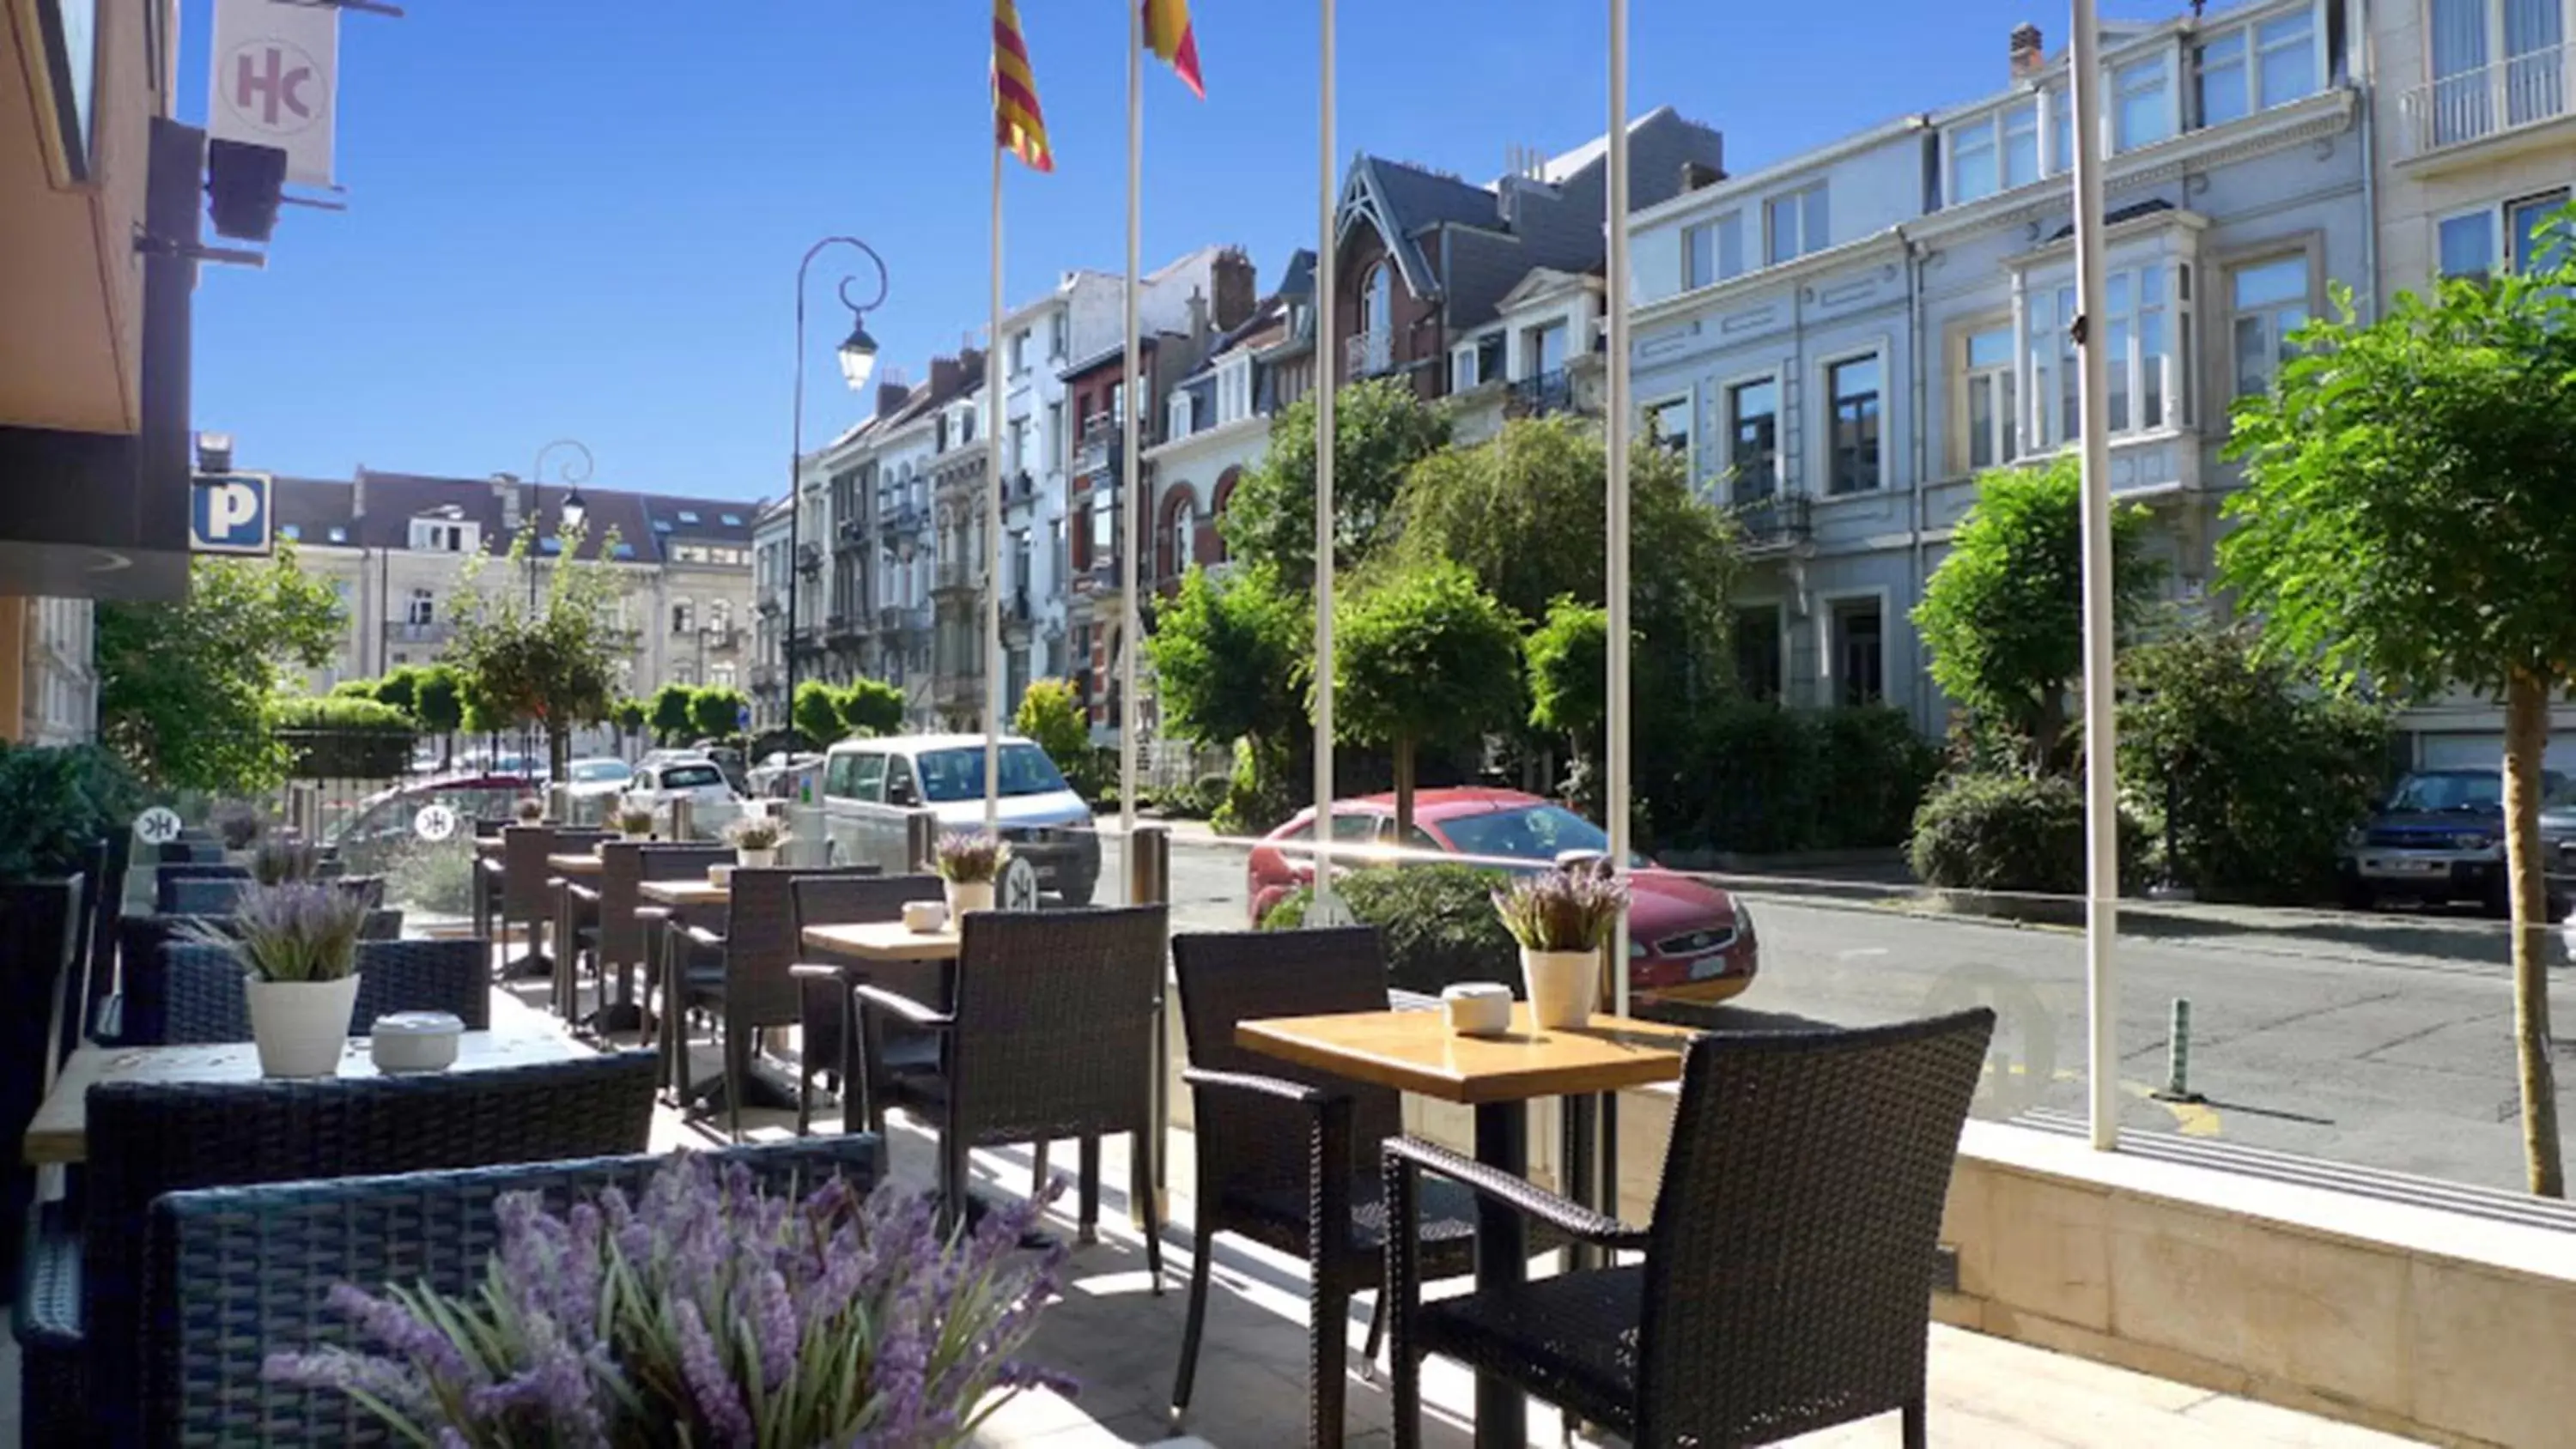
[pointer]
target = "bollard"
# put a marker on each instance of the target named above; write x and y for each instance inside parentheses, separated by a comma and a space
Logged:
(680, 819)
(2177, 1087)
(920, 840)
(1149, 883)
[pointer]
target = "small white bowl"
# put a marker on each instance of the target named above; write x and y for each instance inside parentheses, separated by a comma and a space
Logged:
(1478, 1008)
(414, 1041)
(925, 916)
(720, 876)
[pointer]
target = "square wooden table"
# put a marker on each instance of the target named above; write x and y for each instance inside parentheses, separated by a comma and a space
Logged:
(520, 1035)
(696, 893)
(578, 863)
(1414, 1051)
(870, 943)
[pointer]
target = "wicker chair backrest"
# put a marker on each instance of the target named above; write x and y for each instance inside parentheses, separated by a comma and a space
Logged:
(761, 943)
(1055, 1021)
(1796, 1226)
(207, 1002)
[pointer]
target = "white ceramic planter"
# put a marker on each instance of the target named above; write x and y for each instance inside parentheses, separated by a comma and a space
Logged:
(964, 896)
(1561, 986)
(301, 1027)
(750, 859)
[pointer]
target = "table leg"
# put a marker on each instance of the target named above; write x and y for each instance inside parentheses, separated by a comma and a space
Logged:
(1581, 1156)
(854, 1089)
(1502, 1261)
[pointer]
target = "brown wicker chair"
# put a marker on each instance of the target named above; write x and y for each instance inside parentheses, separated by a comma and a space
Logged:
(527, 900)
(1787, 1279)
(1050, 1035)
(826, 1026)
(1283, 1150)
(744, 973)
(609, 916)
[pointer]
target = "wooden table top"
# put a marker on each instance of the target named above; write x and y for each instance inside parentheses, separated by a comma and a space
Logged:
(695, 891)
(520, 1035)
(884, 941)
(1414, 1051)
(582, 863)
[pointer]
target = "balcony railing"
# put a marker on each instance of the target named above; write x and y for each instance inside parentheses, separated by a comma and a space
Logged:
(850, 530)
(721, 638)
(1366, 354)
(1104, 446)
(2521, 90)
(1547, 392)
(957, 576)
(1016, 609)
(767, 676)
(1775, 520)
(404, 631)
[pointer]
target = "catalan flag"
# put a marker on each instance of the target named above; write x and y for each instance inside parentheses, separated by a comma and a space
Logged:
(1018, 125)
(1168, 35)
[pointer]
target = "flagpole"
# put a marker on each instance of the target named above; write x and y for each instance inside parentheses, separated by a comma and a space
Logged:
(993, 523)
(2101, 790)
(1131, 468)
(1326, 193)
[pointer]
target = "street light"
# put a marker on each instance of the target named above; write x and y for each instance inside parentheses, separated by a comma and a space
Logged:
(575, 472)
(858, 358)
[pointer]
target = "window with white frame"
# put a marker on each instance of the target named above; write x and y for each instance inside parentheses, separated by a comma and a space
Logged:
(1992, 419)
(1056, 336)
(2490, 240)
(2254, 67)
(1185, 533)
(1180, 414)
(2060, 105)
(684, 617)
(720, 616)
(2495, 63)
(1852, 389)
(1668, 425)
(2142, 111)
(423, 609)
(1462, 368)
(1544, 348)
(1753, 438)
(2147, 342)
(2268, 301)
(721, 675)
(1234, 390)
(1713, 251)
(1020, 351)
(1994, 152)
(1794, 225)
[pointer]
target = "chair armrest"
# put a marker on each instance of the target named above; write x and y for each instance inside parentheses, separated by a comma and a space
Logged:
(701, 936)
(913, 1012)
(654, 913)
(1521, 1196)
(814, 971)
(585, 894)
(1274, 1087)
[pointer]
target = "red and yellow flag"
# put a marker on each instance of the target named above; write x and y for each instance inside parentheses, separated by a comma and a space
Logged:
(1168, 35)
(1018, 125)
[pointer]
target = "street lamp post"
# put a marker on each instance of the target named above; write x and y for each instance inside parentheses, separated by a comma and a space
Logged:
(858, 355)
(575, 472)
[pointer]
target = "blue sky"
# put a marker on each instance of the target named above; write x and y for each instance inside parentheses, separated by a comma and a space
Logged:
(576, 218)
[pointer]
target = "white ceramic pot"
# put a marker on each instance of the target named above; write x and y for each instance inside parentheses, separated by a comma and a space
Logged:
(1561, 986)
(964, 896)
(750, 859)
(301, 1027)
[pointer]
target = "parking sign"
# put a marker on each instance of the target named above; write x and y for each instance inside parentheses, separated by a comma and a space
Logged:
(230, 513)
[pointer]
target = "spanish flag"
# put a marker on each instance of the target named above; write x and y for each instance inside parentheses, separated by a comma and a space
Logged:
(1167, 34)
(1018, 126)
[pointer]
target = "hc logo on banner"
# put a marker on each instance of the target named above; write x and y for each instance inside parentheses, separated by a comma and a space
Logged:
(230, 514)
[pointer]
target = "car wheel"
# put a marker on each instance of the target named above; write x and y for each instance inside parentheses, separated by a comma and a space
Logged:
(2358, 896)
(2499, 898)
(1078, 892)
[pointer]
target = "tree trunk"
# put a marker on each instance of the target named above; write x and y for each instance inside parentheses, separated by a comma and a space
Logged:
(2526, 738)
(1403, 789)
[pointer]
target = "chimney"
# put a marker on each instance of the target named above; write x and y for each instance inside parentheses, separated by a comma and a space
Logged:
(505, 490)
(358, 496)
(2028, 51)
(1197, 304)
(944, 372)
(1237, 290)
(890, 396)
(1698, 174)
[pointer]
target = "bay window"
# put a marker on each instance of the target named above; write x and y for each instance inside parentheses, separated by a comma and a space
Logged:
(1992, 422)
(2146, 340)
(1994, 152)
(2141, 103)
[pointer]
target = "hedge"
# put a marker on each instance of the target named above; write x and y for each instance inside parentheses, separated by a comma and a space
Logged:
(1438, 920)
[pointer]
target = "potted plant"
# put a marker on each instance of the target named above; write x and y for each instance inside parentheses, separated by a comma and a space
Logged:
(970, 862)
(298, 942)
(1561, 918)
(240, 827)
(755, 840)
(707, 1310)
(530, 810)
(275, 862)
(634, 821)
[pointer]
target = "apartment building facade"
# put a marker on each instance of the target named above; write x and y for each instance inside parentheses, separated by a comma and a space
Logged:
(1840, 343)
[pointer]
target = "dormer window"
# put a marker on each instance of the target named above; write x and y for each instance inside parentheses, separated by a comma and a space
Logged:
(431, 535)
(1997, 151)
(1181, 416)
(1795, 224)
(688, 515)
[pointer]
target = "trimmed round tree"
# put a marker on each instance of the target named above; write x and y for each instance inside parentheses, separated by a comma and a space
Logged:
(670, 713)
(1424, 658)
(871, 707)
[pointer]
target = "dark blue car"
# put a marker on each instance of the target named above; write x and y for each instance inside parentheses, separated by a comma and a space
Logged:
(2439, 838)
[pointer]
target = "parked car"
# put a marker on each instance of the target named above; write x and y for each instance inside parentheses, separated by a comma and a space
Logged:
(781, 776)
(659, 782)
(729, 759)
(2439, 838)
(1688, 940)
(871, 786)
(2558, 853)
(600, 779)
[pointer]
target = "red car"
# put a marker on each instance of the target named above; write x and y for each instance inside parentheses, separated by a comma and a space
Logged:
(1688, 940)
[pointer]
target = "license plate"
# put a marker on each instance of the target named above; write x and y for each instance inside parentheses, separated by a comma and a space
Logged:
(1708, 966)
(2383, 865)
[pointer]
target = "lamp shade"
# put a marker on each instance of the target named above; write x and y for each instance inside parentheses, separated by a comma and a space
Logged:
(573, 509)
(858, 357)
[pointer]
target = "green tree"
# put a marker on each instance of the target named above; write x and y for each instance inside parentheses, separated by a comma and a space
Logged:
(716, 710)
(816, 712)
(1424, 658)
(1568, 661)
(188, 689)
(554, 663)
(671, 713)
(871, 707)
(356, 688)
(2003, 616)
(1230, 658)
(400, 688)
(1051, 717)
(629, 719)
(438, 702)
(1380, 430)
(2405, 520)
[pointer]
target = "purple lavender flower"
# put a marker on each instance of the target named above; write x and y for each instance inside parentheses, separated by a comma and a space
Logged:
(773, 1317)
(405, 1333)
(719, 1401)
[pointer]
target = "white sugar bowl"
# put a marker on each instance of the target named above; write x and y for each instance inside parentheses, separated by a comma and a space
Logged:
(1478, 1008)
(414, 1041)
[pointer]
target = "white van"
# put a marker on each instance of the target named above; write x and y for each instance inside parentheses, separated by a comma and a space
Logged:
(870, 788)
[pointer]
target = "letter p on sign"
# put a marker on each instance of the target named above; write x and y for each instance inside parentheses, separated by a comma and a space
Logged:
(230, 514)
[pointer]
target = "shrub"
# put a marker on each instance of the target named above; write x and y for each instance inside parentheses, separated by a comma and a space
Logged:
(1258, 795)
(1871, 772)
(1051, 717)
(1747, 783)
(57, 802)
(345, 737)
(432, 877)
(1439, 921)
(2010, 833)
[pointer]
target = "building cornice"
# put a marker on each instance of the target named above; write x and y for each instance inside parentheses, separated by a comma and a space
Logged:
(1887, 244)
(1209, 438)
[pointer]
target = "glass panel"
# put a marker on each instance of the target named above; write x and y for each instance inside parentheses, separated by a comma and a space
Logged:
(2222, 79)
(2468, 245)
(2021, 145)
(2144, 113)
(1753, 438)
(1781, 215)
(1854, 386)
(2061, 126)
(1972, 160)
(2527, 219)
(1990, 348)
(1730, 245)
(2288, 48)
(2271, 282)
(1815, 234)
(2253, 355)
(2116, 349)
(2151, 347)
(1699, 260)
(1981, 421)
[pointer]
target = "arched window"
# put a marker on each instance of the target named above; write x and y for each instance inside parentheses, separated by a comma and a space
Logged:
(1184, 532)
(1217, 502)
(1377, 319)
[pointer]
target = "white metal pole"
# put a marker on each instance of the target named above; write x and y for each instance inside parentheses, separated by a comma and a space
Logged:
(1615, 438)
(1132, 510)
(993, 525)
(2101, 800)
(1327, 191)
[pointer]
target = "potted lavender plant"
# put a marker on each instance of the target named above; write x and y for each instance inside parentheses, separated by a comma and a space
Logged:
(275, 862)
(240, 827)
(706, 1312)
(634, 821)
(298, 942)
(755, 840)
(1561, 918)
(969, 862)
(530, 810)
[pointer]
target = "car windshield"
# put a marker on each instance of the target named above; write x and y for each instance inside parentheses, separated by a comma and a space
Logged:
(690, 777)
(2449, 790)
(1530, 832)
(592, 772)
(2562, 793)
(959, 774)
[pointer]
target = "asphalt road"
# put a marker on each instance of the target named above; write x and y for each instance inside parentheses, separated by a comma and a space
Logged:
(2381, 1041)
